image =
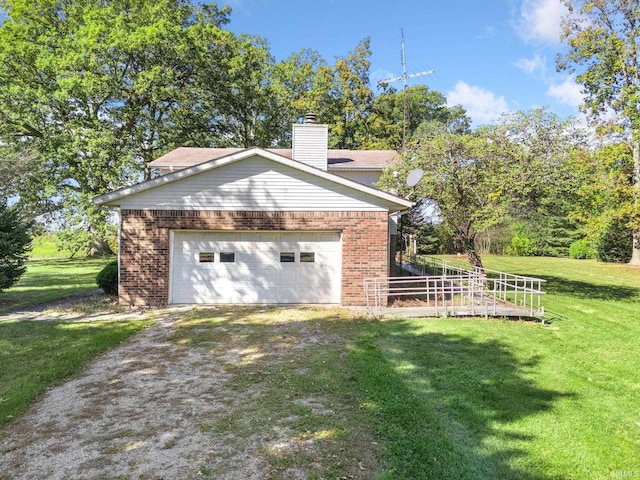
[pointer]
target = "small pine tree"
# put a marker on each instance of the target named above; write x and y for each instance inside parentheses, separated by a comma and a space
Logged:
(15, 243)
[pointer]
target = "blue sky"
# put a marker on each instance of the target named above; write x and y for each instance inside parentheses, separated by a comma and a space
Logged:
(489, 56)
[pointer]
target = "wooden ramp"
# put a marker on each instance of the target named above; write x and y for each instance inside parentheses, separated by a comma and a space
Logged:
(455, 292)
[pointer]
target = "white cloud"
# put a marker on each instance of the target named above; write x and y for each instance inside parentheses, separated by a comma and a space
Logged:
(481, 105)
(381, 74)
(540, 20)
(567, 92)
(532, 65)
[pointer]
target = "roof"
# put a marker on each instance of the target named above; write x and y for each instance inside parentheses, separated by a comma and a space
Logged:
(184, 157)
(200, 165)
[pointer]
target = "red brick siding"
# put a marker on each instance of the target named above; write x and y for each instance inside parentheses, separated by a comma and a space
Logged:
(144, 245)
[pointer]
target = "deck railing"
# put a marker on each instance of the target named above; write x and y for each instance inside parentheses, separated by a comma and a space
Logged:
(452, 290)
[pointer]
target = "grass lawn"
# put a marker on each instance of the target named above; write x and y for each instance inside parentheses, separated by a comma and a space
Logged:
(406, 398)
(37, 355)
(477, 399)
(51, 279)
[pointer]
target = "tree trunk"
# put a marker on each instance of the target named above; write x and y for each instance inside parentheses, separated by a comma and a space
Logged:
(635, 253)
(469, 246)
(98, 246)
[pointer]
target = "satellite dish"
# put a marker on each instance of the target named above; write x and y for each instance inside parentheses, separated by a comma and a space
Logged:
(414, 177)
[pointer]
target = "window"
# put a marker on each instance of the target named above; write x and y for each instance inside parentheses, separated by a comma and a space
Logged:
(206, 257)
(227, 257)
(287, 257)
(307, 257)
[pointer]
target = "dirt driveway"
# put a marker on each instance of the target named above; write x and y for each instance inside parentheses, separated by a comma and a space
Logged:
(201, 404)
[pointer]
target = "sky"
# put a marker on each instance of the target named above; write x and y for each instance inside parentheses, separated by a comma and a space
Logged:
(490, 56)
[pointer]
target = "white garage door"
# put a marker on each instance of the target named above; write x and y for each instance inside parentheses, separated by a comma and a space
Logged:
(255, 267)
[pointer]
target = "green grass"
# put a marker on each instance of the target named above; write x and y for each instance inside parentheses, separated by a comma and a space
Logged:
(37, 355)
(47, 280)
(476, 399)
(404, 398)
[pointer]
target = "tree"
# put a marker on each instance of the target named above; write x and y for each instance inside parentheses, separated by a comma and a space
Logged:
(423, 106)
(460, 179)
(303, 84)
(15, 243)
(348, 104)
(539, 183)
(604, 200)
(602, 36)
(96, 90)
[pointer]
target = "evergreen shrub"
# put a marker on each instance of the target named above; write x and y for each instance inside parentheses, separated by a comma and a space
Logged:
(107, 279)
(615, 243)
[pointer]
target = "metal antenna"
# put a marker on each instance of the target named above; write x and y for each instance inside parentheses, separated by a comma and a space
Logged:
(404, 77)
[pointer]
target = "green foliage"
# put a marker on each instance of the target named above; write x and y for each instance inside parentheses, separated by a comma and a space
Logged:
(47, 245)
(15, 243)
(548, 234)
(415, 226)
(605, 200)
(94, 91)
(107, 278)
(424, 106)
(614, 242)
(581, 250)
(516, 170)
(523, 245)
(602, 37)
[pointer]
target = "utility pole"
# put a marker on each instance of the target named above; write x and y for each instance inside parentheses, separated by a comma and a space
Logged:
(404, 77)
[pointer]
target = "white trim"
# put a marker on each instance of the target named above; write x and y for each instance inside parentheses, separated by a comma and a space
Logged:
(171, 265)
(112, 197)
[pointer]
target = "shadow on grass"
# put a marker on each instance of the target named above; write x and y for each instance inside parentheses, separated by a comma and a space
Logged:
(445, 404)
(578, 289)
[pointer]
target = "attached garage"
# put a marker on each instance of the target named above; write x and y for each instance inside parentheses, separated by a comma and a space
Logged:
(253, 227)
(255, 267)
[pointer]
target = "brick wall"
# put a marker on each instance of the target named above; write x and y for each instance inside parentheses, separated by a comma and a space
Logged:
(144, 245)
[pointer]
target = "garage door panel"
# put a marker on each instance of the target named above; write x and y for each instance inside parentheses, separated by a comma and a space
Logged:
(256, 274)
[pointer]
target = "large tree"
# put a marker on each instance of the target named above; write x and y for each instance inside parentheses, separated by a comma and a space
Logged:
(602, 36)
(460, 180)
(539, 182)
(423, 105)
(604, 199)
(96, 90)
(348, 104)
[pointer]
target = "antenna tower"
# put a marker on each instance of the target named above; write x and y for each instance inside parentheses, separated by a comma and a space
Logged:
(404, 77)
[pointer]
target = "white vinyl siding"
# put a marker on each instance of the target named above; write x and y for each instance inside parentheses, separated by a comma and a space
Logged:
(254, 184)
(368, 178)
(256, 275)
(309, 144)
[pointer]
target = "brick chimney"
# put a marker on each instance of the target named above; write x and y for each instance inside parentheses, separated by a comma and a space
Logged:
(310, 142)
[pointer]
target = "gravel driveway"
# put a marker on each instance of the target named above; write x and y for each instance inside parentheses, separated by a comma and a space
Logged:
(137, 412)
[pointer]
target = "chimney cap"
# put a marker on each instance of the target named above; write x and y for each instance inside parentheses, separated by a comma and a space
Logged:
(310, 118)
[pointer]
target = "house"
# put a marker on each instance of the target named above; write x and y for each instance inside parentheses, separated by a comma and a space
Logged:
(256, 225)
